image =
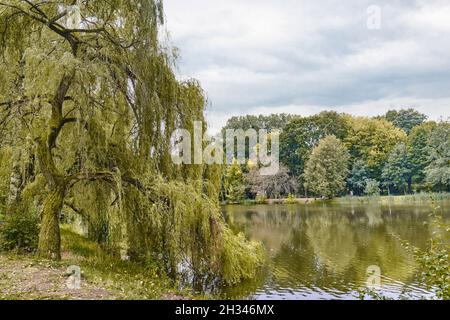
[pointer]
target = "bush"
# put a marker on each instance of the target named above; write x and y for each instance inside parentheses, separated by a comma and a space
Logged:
(20, 231)
(372, 188)
(260, 199)
(291, 199)
(435, 260)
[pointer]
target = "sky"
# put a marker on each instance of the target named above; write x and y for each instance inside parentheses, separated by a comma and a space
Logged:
(305, 56)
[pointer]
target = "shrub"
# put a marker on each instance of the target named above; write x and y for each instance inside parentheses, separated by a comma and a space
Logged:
(435, 260)
(260, 199)
(372, 188)
(20, 231)
(291, 199)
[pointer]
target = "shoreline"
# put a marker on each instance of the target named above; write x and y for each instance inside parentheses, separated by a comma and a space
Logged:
(383, 199)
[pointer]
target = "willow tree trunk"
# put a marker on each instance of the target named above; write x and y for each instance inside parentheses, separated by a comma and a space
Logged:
(49, 237)
(49, 246)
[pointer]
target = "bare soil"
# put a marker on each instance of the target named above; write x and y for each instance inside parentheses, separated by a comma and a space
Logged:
(26, 279)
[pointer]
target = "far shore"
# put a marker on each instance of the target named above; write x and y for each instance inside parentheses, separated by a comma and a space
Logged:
(382, 199)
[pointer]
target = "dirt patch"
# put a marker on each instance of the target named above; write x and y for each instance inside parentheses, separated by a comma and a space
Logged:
(23, 278)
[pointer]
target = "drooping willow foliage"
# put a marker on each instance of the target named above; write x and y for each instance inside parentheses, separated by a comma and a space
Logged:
(87, 113)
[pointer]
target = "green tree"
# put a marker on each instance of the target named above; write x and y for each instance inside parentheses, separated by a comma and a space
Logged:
(405, 119)
(234, 183)
(372, 188)
(327, 168)
(269, 123)
(90, 89)
(419, 151)
(372, 141)
(302, 135)
(358, 177)
(397, 172)
(438, 171)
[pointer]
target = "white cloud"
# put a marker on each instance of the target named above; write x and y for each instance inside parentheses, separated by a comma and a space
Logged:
(430, 16)
(304, 56)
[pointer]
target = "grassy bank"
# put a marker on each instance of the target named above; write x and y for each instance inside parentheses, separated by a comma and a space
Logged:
(102, 276)
(250, 202)
(392, 199)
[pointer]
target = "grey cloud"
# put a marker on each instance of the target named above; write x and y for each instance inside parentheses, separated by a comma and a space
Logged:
(306, 56)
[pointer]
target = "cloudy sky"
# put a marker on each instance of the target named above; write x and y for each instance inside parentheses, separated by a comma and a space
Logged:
(305, 56)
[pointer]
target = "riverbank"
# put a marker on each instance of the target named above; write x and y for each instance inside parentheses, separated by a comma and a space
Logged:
(393, 199)
(270, 201)
(385, 199)
(103, 277)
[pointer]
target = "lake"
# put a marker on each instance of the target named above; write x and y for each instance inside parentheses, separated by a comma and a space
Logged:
(323, 251)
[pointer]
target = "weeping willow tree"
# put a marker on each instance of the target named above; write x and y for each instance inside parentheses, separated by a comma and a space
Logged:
(88, 104)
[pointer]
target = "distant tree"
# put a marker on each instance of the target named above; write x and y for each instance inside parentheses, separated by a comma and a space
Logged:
(372, 140)
(397, 173)
(327, 168)
(419, 151)
(358, 177)
(438, 171)
(301, 136)
(273, 186)
(234, 183)
(372, 188)
(405, 119)
(270, 123)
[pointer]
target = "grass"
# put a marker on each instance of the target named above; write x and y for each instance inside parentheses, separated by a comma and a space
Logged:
(422, 197)
(104, 276)
(392, 199)
(129, 280)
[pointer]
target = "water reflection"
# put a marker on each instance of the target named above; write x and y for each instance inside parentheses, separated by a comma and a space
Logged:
(323, 251)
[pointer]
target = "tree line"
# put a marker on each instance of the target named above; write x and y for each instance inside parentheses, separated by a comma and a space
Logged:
(331, 154)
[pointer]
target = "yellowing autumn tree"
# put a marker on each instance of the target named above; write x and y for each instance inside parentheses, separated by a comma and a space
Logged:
(372, 141)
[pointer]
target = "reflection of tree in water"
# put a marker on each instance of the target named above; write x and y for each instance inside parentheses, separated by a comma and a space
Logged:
(270, 225)
(295, 264)
(409, 223)
(333, 240)
(374, 215)
(383, 250)
(245, 288)
(330, 247)
(378, 244)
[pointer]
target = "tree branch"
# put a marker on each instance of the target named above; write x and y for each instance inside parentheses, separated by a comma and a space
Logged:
(42, 18)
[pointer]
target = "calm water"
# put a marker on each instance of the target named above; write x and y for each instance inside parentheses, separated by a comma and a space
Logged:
(324, 251)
